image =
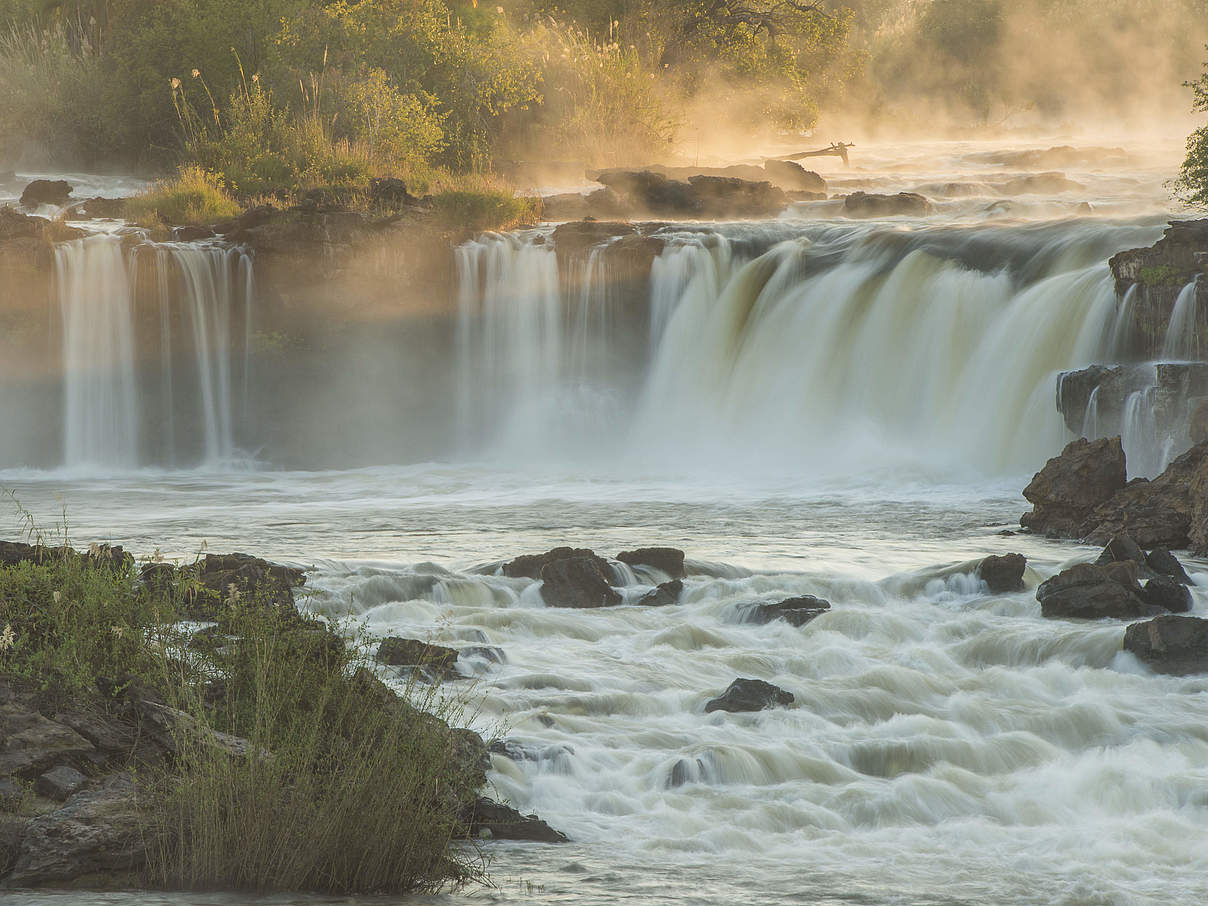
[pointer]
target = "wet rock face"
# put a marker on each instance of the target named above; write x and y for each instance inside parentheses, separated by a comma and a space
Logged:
(398, 652)
(669, 560)
(791, 176)
(749, 695)
(1003, 573)
(1171, 511)
(664, 595)
(1067, 490)
(223, 576)
(529, 566)
(864, 204)
(46, 191)
(794, 611)
(491, 820)
(1090, 591)
(1170, 644)
(578, 582)
(699, 195)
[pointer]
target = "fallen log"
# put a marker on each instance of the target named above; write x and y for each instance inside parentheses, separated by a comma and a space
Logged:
(836, 149)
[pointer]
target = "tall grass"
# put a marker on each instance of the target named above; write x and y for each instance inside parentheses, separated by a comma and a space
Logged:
(192, 196)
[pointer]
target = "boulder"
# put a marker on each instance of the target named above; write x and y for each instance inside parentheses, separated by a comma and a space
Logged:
(399, 652)
(31, 743)
(1165, 563)
(795, 611)
(653, 193)
(98, 208)
(60, 783)
(1002, 573)
(96, 834)
(579, 582)
(749, 695)
(665, 595)
(240, 578)
(722, 196)
(389, 192)
(909, 204)
(491, 820)
(792, 177)
(1070, 486)
(668, 560)
(1165, 593)
(1122, 547)
(1170, 511)
(577, 238)
(46, 191)
(1170, 644)
(1092, 591)
(529, 566)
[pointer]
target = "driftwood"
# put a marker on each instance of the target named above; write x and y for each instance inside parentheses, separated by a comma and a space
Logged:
(836, 149)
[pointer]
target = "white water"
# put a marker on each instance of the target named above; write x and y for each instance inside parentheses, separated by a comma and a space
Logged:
(1181, 341)
(199, 290)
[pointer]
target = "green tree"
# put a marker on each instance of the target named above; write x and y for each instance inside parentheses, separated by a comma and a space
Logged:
(1192, 184)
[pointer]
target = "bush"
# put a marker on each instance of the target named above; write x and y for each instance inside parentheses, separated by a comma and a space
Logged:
(487, 209)
(1192, 184)
(193, 196)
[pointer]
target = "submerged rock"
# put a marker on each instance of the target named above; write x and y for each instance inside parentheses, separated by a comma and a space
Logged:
(749, 695)
(1002, 573)
(1170, 644)
(1093, 591)
(669, 560)
(795, 611)
(1067, 490)
(398, 652)
(492, 820)
(665, 595)
(864, 204)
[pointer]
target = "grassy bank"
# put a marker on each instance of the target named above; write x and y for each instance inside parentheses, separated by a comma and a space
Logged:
(289, 765)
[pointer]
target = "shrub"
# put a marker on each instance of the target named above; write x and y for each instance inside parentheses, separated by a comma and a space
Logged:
(484, 209)
(1192, 183)
(193, 196)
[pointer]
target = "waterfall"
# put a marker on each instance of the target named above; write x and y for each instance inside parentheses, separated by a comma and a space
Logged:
(1181, 340)
(96, 301)
(195, 294)
(833, 349)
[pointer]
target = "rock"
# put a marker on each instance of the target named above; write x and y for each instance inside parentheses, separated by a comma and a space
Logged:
(98, 208)
(863, 204)
(791, 176)
(1040, 184)
(97, 832)
(749, 695)
(665, 595)
(12, 832)
(1165, 563)
(653, 193)
(519, 751)
(1171, 511)
(669, 560)
(796, 611)
(30, 743)
(399, 652)
(1070, 486)
(502, 822)
(1165, 593)
(14, 225)
(1170, 644)
(191, 233)
(529, 566)
(60, 783)
(1169, 390)
(243, 579)
(578, 582)
(1091, 591)
(46, 191)
(1002, 573)
(1122, 547)
(389, 192)
(722, 196)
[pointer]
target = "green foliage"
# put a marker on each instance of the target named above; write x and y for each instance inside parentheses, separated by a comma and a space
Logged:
(193, 196)
(1192, 183)
(486, 209)
(1162, 275)
(400, 130)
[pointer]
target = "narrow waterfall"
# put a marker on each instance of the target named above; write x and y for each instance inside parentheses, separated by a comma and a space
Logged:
(1181, 341)
(841, 349)
(148, 364)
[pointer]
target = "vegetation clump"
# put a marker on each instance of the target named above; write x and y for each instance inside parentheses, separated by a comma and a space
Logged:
(192, 196)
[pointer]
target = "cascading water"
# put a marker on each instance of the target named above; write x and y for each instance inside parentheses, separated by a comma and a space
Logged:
(832, 346)
(1181, 341)
(197, 292)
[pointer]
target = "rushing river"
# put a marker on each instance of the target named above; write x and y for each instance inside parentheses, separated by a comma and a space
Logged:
(945, 745)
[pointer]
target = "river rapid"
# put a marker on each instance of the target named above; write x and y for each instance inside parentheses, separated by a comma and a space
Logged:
(946, 745)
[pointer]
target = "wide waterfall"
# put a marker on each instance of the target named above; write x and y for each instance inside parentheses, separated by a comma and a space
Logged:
(827, 346)
(150, 351)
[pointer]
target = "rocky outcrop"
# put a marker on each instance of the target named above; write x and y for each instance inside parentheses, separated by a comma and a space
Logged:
(223, 579)
(46, 191)
(749, 695)
(667, 560)
(1170, 511)
(1170, 644)
(794, 611)
(664, 595)
(529, 566)
(578, 582)
(490, 820)
(904, 204)
(1065, 493)
(399, 652)
(1169, 391)
(647, 192)
(1002, 573)
(1090, 591)
(1158, 275)
(15, 226)
(792, 177)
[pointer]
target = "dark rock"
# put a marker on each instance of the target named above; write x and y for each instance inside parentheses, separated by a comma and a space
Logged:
(399, 652)
(1069, 487)
(669, 560)
(12, 832)
(1170, 390)
(240, 578)
(722, 196)
(665, 595)
(490, 819)
(862, 204)
(30, 743)
(1171, 511)
(791, 176)
(1165, 563)
(578, 582)
(99, 556)
(46, 191)
(14, 225)
(60, 783)
(1170, 644)
(749, 695)
(653, 193)
(98, 208)
(1197, 427)
(1002, 573)
(529, 566)
(685, 771)
(796, 611)
(98, 832)
(191, 233)
(389, 192)
(1122, 547)
(519, 751)
(1166, 593)
(1090, 591)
